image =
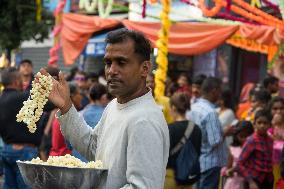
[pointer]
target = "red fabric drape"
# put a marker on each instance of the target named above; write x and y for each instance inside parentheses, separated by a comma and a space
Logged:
(187, 38)
(76, 31)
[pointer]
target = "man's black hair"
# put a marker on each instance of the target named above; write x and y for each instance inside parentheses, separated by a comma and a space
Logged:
(211, 83)
(8, 75)
(263, 113)
(262, 96)
(141, 44)
(274, 100)
(269, 80)
(97, 91)
(26, 61)
(198, 80)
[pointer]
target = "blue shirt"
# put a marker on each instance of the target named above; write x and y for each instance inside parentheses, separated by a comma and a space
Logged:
(213, 147)
(92, 114)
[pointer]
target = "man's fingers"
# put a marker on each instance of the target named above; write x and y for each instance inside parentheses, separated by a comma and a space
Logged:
(61, 78)
(43, 71)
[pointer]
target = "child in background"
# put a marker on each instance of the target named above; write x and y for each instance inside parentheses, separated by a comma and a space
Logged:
(242, 130)
(255, 161)
(277, 134)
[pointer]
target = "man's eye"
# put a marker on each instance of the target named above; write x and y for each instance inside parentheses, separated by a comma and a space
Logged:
(107, 62)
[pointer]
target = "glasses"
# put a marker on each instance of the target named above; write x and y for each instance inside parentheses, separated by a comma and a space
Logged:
(78, 78)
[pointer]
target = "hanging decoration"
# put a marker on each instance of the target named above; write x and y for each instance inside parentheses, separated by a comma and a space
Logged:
(256, 14)
(214, 10)
(187, 2)
(234, 18)
(54, 51)
(252, 45)
(89, 7)
(162, 45)
(144, 5)
(228, 5)
(248, 44)
(271, 5)
(281, 7)
(255, 3)
(276, 56)
(105, 12)
(38, 10)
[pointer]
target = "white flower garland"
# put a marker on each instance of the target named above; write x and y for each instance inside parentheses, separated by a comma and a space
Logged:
(32, 110)
(105, 12)
(90, 7)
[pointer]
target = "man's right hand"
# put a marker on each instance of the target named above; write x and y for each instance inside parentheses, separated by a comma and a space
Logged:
(60, 94)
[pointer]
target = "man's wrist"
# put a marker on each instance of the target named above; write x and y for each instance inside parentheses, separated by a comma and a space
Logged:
(66, 107)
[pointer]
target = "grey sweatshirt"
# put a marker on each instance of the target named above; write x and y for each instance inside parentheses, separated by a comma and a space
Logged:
(131, 139)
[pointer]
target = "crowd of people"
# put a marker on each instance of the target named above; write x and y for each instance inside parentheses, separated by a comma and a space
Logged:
(238, 142)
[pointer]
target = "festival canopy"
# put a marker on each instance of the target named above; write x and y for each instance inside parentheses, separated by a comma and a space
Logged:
(186, 38)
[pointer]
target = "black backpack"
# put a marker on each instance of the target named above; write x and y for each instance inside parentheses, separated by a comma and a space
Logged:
(187, 167)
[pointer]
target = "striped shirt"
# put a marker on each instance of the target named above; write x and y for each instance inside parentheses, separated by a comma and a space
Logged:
(213, 147)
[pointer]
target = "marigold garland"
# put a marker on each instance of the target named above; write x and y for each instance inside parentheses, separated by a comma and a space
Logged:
(38, 10)
(255, 3)
(162, 45)
(247, 44)
(278, 53)
(256, 14)
(214, 10)
(252, 45)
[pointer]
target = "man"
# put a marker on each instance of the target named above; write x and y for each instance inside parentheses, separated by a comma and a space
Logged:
(20, 144)
(162, 101)
(213, 148)
(132, 138)
(271, 84)
(26, 71)
(196, 87)
(80, 79)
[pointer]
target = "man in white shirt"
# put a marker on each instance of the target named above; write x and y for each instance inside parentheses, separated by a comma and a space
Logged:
(132, 138)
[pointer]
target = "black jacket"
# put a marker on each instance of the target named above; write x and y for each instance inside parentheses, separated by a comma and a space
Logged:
(11, 101)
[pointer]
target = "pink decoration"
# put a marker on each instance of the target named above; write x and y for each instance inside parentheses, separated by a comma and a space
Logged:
(187, 2)
(271, 5)
(144, 8)
(228, 6)
(59, 7)
(234, 18)
(53, 52)
(56, 30)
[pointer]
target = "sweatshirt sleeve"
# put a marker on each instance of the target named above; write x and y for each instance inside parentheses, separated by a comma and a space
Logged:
(147, 152)
(82, 137)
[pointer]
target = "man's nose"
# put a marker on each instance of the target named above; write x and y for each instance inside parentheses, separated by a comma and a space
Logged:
(112, 69)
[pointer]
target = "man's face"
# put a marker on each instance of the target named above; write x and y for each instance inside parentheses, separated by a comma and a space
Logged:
(274, 87)
(196, 90)
(80, 80)
(125, 73)
(182, 81)
(261, 125)
(277, 108)
(216, 94)
(18, 83)
(26, 69)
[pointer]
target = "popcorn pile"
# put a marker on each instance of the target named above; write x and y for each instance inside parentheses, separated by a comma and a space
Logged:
(67, 161)
(33, 107)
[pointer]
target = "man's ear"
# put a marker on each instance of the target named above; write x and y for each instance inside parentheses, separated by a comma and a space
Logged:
(146, 67)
